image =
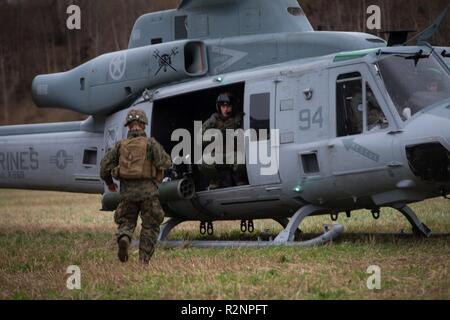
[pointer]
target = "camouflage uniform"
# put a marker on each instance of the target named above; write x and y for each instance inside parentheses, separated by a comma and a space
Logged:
(374, 114)
(138, 196)
(216, 121)
(219, 171)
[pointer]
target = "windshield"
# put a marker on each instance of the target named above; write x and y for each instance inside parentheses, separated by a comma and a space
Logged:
(447, 61)
(414, 82)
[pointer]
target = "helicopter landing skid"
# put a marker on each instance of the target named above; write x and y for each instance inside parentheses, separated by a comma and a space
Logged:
(167, 227)
(419, 228)
(284, 223)
(285, 238)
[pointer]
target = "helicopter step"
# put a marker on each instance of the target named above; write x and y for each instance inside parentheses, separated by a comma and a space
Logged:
(284, 223)
(419, 228)
(288, 234)
(167, 227)
(285, 238)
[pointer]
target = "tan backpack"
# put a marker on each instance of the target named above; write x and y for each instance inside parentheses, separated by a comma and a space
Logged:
(133, 163)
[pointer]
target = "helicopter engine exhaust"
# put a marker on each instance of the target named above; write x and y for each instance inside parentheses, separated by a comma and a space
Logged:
(112, 80)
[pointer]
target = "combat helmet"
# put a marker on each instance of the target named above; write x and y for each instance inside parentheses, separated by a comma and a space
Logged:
(225, 97)
(136, 115)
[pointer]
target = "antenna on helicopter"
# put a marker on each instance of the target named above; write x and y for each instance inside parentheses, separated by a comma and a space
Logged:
(425, 35)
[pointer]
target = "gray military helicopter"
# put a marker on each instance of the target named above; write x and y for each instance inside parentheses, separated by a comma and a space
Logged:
(362, 125)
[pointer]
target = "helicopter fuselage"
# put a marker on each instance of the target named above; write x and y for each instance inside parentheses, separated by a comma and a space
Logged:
(352, 122)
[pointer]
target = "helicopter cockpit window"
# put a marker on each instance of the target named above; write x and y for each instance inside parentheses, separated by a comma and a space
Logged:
(260, 114)
(349, 108)
(445, 54)
(447, 61)
(414, 82)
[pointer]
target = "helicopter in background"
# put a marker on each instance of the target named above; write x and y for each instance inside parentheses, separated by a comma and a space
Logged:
(319, 90)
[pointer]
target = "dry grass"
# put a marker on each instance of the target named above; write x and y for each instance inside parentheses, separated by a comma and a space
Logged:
(42, 233)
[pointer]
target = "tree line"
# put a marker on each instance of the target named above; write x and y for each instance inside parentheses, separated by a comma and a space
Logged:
(34, 38)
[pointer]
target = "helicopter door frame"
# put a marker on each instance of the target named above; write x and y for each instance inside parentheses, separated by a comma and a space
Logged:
(361, 155)
(263, 95)
(366, 78)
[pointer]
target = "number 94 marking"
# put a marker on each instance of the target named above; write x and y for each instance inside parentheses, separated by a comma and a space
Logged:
(307, 120)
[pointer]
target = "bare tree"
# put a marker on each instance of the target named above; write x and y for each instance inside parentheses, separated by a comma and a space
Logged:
(34, 38)
(5, 93)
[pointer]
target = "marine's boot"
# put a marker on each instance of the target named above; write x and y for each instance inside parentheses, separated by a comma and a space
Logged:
(144, 259)
(124, 243)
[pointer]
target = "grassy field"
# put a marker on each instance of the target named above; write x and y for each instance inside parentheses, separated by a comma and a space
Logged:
(42, 233)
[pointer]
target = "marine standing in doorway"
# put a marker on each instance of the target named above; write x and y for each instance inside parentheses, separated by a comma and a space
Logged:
(225, 175)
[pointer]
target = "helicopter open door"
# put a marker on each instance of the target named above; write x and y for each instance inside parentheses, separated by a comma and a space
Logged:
(259, 108)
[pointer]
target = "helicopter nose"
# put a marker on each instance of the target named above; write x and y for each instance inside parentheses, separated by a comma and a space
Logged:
(427, 145)
(433, 123)
(441, 122)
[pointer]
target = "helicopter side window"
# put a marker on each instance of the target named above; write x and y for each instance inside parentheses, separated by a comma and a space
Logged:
(181, 27)
(260, 114)
(90, 157)
(375, 116)
(349, 104)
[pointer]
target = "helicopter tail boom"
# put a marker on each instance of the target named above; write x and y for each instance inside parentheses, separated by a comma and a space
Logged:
(53, 157)
(112, 80)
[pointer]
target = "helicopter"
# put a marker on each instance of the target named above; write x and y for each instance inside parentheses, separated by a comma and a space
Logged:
(352, 120)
